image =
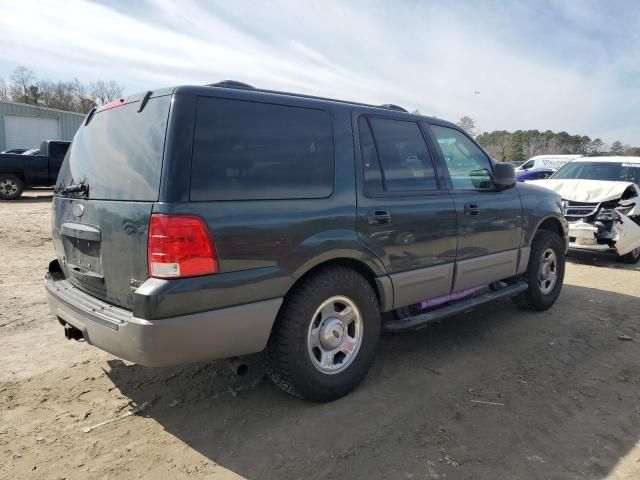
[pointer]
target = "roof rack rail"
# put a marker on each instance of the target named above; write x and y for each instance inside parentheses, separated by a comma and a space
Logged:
(232, 84)
(391, 106)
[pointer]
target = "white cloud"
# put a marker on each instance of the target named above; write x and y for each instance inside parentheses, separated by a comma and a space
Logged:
(430, 56)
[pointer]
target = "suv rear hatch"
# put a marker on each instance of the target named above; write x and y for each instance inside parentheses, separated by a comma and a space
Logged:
(104, 196)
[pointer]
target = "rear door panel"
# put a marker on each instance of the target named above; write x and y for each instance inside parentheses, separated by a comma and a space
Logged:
(417, 245)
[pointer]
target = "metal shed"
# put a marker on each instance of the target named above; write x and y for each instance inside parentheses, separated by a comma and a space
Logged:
(26, 126)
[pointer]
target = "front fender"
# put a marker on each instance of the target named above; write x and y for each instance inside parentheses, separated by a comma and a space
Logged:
(538, 206)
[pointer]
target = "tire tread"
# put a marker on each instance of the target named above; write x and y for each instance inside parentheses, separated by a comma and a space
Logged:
(280, 368)
(528, 300)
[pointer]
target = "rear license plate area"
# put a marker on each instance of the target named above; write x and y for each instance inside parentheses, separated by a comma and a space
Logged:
(81, 244)
(83, 254)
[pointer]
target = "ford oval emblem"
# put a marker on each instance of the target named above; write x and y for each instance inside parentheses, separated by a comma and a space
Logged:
(78, 209)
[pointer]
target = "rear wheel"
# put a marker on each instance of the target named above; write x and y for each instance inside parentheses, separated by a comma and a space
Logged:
(545, 272)
(632, 257)
(11, 186)
(326, 335)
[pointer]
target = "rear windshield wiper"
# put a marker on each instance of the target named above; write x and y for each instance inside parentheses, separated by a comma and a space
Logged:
(75, 188)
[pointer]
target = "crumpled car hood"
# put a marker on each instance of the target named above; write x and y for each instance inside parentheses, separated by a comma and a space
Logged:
(595, 191)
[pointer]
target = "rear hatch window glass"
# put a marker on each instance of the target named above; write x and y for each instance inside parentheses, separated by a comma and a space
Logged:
(119, 153)
(248, 150)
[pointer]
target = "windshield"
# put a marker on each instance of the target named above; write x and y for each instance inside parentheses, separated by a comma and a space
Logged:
(616, 172)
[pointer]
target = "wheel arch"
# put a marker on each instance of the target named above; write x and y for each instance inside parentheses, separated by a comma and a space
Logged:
(551, 224)
(18, 173)
(370, 269)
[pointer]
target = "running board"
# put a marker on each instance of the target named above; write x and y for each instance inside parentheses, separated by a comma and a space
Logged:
(419, 321)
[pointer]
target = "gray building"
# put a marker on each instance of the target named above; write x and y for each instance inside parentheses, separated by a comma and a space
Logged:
(26, 126)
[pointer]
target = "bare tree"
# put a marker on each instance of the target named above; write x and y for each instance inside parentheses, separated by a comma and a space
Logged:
(4, 90)
(60, 95)
(70, 95)
(21, 79)
(104, 92)
(85, 103)
(33, 95)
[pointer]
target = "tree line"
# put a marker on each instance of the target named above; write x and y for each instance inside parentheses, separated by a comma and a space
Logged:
(523, 144)
(72, 95)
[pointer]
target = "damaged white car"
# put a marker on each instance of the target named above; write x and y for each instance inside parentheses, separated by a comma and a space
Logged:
(601, 198)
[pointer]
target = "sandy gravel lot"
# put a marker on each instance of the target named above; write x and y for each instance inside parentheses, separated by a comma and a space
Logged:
(566, 389)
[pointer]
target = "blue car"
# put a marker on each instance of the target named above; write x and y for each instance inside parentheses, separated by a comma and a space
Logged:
(534, 174)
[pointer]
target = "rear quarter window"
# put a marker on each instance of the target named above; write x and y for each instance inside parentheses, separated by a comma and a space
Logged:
(250, 151)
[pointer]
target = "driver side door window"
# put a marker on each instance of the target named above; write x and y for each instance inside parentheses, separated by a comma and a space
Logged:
(468, 166)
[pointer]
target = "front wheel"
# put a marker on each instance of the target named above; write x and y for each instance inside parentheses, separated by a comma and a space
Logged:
(11, 186)
(325, 336)
(545, 272)
(632, 257)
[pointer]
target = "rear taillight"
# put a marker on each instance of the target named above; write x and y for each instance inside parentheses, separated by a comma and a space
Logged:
(180, 246)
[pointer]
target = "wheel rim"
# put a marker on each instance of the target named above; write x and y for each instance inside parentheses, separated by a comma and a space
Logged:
(548, 271)
(335, 335)
(635, 252)
(8, 186)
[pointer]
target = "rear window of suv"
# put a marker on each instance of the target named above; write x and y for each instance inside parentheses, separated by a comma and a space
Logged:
(119, 153)
(256, 151)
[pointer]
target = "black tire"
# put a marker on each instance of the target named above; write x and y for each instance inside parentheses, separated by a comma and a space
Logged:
(11, 186)
(534, 298)
(288, 357)
(632, 257)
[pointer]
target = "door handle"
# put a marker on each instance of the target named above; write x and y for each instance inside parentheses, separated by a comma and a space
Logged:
(379, 217)
(472, 209)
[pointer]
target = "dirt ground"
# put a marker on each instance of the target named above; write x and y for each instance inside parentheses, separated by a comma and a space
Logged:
(564, 392)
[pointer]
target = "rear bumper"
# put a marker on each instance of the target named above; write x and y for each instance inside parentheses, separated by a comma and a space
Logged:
(221, 333)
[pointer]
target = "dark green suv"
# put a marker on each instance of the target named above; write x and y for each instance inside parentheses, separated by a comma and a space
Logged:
(205, 222)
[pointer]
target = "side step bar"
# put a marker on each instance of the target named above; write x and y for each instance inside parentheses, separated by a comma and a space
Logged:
(420, 321)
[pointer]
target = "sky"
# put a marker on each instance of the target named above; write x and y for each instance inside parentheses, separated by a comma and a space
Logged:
(550, 64)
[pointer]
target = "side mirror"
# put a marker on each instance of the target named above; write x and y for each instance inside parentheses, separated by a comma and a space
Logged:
(504, 175)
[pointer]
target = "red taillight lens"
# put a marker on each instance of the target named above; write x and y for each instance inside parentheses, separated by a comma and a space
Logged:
(180, 246)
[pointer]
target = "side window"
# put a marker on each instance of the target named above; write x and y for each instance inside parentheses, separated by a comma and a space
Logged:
(370, 161)
(249, 151)
(527, 165)
(469, 168)
(403, 154)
